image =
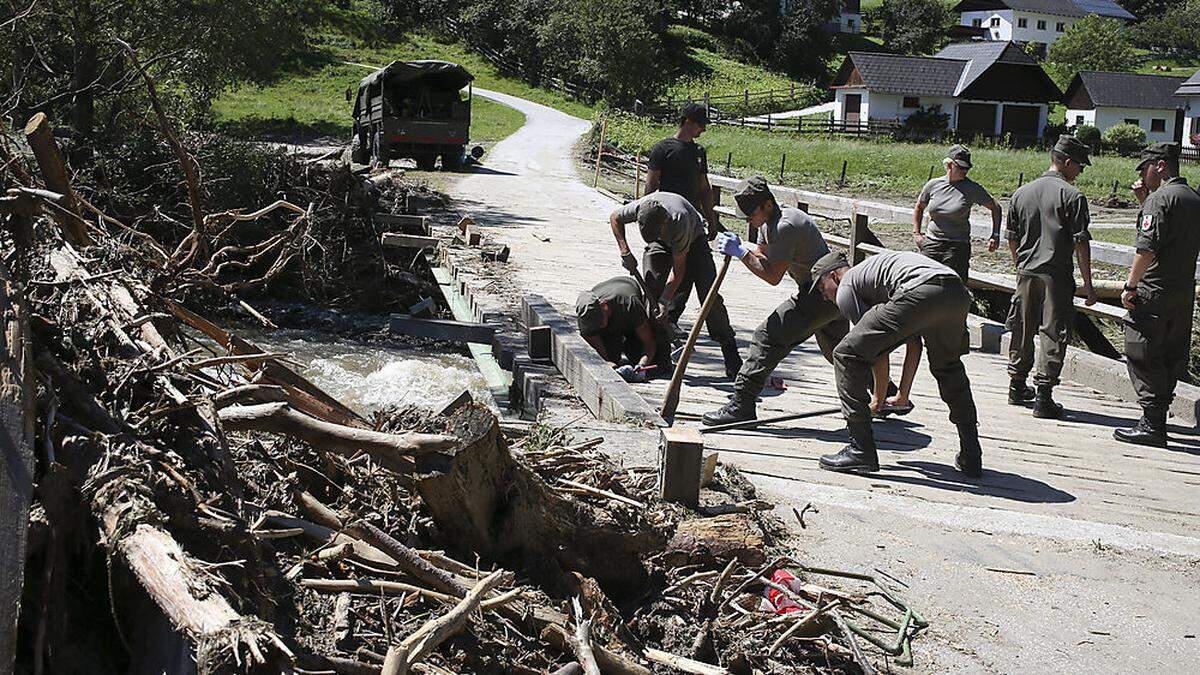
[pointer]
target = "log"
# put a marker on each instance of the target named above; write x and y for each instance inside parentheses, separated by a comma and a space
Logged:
(420, 644)
(442, 329)
(54, 172)
(716, 540)
(16, 455)
(390, 450)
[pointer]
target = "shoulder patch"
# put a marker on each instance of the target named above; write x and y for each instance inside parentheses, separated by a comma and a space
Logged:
(1147, 223)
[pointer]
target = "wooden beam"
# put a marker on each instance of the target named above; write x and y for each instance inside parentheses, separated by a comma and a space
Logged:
(442, 329)
(680, 462)
(418, 225)
(397, 240)
(54, 172)
(540, 347)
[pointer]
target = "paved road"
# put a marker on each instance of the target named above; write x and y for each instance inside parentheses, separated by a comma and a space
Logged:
(1074, 553)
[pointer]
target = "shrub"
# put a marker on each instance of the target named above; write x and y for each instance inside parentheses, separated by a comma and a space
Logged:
(1089, 134)
(925, 124)
(1125, 137)
(1093, 43)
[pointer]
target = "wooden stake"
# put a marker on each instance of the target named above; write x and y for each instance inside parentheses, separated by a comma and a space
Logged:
(637, 176)
(600, 152)
(671, 400)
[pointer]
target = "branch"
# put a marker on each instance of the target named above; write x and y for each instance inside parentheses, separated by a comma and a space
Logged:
(421, 643)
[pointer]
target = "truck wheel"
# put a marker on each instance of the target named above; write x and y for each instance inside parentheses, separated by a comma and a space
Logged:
(452, 160)
(426, 161)
(359, 153)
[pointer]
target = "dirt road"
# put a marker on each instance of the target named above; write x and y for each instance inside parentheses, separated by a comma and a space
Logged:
(1073, 554)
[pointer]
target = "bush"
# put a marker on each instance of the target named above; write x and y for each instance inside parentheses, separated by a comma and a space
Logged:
(925, 124)
(1093, 43)
(1125, 136)
(1089, 134)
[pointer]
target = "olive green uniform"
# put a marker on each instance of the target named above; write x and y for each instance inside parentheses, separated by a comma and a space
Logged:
(627, 309)
(1048, 216)
(790, 236)
(948, 237)
(1158, 330)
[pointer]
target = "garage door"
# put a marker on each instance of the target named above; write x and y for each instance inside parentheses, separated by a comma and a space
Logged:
(976, 118)
(1021, 123)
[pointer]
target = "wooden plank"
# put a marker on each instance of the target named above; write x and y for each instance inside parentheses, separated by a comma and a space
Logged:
(540, 338)
(680, 465)
(601, 389)
(16, 458)
(442, 329)
(397, 240)
(497, 378)
(417, 225)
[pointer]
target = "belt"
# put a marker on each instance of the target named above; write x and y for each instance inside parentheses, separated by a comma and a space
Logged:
(944, 280)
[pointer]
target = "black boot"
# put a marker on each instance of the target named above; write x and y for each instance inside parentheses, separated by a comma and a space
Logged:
(1044, 405)
(733, 362)
(1151, 430)
(859, 456)
(970, 456)
(737, 410)
(1020, 393)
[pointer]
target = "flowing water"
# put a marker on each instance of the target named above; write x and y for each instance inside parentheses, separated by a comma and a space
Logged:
(368, 377)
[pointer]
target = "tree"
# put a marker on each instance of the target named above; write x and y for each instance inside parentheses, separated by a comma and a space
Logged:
(912, 26)
(1145, 9)
(1093, 43)
(1174, 32)
(805, 43)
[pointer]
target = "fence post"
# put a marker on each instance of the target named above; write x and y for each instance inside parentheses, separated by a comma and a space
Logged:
(782, 163)
(931, 166)
(729, 164)
(637, 174)
(803, 206)
(1114, 188)
(1020, 179)
(599, 152)
(793, 93)
(746, 97)
(841, 181)
(768, 121)
(858, 234)
(716, 192)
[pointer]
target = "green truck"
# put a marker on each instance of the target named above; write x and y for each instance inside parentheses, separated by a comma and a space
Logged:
(415, 109)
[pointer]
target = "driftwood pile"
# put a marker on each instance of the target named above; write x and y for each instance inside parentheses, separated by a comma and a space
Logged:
(175, 499)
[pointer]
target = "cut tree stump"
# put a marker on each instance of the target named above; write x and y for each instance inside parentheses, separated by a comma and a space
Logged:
(714, 541)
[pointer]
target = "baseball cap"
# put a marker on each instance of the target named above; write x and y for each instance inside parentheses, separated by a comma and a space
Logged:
(749, 193)
(589, 313)
(826, 264)
(1074, 148)
(960, 155)
(694, 112)
(1157, 151)
(651, 216)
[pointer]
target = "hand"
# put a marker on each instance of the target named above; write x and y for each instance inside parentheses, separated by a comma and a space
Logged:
(731, 245)
(1129, 299)
(918, 238)
(1091, 296)
(1139, 190)
(663, 310)
(629, 262)
(631, 374)
(993, 243)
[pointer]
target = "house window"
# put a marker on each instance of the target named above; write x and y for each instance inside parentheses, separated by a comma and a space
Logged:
(850, 25)
(1041, 24)
(1022, 23)
(995, 21)
(1060, 27)
(976, 22)
(1078, 120)
(1134, 122)
(912, 102)
(1159, 125)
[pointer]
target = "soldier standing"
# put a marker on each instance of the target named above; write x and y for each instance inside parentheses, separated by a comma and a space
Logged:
(789, 244)
(1048, 218)
(1160, 291)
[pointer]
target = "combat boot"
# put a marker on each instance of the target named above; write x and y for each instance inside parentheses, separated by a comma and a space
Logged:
(1150, 430)
(733, 361)
(737, 410)
(969, 459)
(1020, 393)
(859, 456)
(1044, 405)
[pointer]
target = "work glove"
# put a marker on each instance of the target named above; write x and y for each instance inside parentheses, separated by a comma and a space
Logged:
(629, 262)
(731, 245)
(631, 374)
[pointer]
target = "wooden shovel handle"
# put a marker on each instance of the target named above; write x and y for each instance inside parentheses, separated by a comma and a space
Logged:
(671, 400)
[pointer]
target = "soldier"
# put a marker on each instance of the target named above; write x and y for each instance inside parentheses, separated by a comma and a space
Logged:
(891, 298)
(612, 317)
(1160, 290)
(679, 164)
(676, 254)
(789, 244)
(1048, 218)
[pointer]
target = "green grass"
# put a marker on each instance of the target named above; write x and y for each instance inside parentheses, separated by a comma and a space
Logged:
(875, 168)
(710, 68)
(1122, 235)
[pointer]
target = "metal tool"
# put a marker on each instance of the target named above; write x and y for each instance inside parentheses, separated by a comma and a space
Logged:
(750, 424)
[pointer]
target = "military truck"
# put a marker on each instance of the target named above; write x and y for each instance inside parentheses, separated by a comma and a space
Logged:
(415, 109)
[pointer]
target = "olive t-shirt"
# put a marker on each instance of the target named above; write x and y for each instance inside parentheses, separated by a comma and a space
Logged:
(1047, 217)
(949, 207)
(1169, 225)
(683, 165)
(792, 237)
(882, 277)
(624, 299)
(684, 223)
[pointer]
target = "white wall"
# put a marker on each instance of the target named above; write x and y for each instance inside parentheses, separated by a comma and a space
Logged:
(887, 107)
(1000, 32)
(1010, 29)
(1104, 118)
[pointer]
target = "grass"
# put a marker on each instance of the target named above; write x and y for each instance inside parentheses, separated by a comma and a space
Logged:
(879, 169)
(710, 68)
(1113, 235)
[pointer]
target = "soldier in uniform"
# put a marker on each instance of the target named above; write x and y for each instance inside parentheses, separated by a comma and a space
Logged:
(613, 318)
(890, 298)
(789, 244)
(1160, 290)
(1047, 220)
(676, 254)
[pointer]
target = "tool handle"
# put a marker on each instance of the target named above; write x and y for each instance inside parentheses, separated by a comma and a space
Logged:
(671, 400)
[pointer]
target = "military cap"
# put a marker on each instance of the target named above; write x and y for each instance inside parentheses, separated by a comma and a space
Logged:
(1074, 148)
(826, 264)
(694, 112)
(749, 193)
(589, 313)
(1155, 151)
(960, 155)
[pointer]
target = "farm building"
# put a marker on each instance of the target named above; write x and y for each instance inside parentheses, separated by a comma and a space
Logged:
(1104, 100)
(987, 88)
(1189, 92)
(1040, 22)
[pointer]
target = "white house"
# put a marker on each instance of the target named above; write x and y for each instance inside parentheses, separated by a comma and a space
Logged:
(1105, 100)
(1040, 22)
(1189, 93)
(987, 88)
